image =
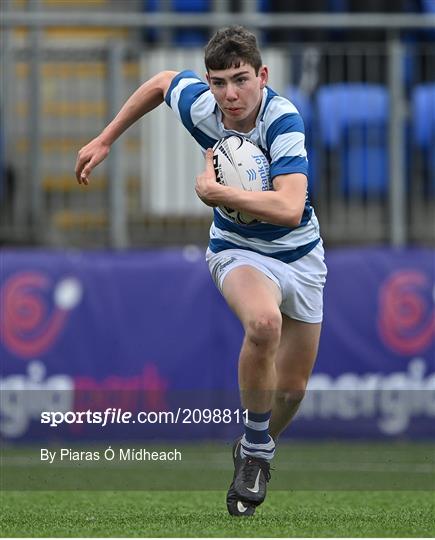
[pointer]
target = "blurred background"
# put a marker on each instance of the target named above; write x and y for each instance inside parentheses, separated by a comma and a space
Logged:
(361, 74)
(124, 301)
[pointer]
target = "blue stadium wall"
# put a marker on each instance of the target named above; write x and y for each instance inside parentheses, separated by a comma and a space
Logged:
(148, 331)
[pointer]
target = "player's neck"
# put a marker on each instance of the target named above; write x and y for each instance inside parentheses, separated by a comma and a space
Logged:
(243, 126)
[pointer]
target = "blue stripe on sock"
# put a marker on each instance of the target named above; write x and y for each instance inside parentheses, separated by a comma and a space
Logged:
(259, 417)
(257, 434)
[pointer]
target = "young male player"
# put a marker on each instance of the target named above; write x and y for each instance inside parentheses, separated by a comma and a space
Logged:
(270, 273)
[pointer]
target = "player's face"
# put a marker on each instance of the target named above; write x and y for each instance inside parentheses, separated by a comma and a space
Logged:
(238, 92)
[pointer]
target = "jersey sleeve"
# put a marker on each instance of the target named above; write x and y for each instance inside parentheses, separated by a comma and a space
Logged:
(185, 90)
(285, 139)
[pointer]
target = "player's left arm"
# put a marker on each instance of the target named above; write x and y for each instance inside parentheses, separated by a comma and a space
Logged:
(283, 206)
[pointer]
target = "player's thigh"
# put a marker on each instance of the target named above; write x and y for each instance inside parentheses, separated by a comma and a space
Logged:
(251, 294)
(296, 354)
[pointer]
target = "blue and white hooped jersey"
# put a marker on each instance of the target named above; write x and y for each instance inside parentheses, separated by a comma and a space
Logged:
(279, 132)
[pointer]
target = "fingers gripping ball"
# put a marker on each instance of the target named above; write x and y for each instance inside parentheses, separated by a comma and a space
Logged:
(239, 163)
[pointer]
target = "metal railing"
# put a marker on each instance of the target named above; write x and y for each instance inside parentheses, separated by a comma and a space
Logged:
(59, 97)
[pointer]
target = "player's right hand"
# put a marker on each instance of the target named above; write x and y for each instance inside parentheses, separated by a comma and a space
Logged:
(89, 157)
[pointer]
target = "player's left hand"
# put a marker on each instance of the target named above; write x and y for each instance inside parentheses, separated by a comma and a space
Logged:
(206, 187)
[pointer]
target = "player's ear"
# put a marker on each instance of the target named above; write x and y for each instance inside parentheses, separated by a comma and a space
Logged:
(263, 74)
(207, 76)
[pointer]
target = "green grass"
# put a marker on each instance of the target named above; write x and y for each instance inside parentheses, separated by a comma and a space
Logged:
(199, 514)
(318, 489)
(301, 466)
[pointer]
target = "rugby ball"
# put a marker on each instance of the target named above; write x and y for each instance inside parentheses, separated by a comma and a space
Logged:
(240, 163)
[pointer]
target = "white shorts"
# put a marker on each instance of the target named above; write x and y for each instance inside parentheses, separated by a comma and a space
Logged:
(300, 282)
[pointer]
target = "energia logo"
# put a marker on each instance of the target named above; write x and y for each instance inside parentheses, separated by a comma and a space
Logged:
(26, 395)
(34, 311)
(406, 312)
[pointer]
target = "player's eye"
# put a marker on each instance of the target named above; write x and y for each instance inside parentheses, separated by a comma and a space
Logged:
(241, 80)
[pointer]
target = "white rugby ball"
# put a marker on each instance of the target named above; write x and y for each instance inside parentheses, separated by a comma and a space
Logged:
(240, 163)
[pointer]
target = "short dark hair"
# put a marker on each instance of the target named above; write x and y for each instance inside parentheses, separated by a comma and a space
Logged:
(230, 47)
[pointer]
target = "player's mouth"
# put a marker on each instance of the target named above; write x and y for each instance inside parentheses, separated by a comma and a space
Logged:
(234, 110)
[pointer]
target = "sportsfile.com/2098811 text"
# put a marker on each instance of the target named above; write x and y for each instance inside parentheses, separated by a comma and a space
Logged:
(113, 415)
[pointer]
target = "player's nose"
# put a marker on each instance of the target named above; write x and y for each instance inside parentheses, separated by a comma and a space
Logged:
(231, 93)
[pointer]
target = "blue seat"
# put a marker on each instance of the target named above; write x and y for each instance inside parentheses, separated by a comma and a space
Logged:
(191, 6)
(423, 129)
(191, 37)
(180, 6)
(332, 6)
(182, 36)
(302, 102)
(263, 6)
(428, 6)
(352, 122)
(187, 37)
(338, 6)
(423, 115)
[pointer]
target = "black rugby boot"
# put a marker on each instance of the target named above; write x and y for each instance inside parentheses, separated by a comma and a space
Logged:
(235, 506)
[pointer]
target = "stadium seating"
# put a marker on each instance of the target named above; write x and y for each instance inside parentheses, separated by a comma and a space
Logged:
(190, 37)
(331, 6)
(352, 121)
(428, 6)
(423, 113)
(423, 131)
(302, 102)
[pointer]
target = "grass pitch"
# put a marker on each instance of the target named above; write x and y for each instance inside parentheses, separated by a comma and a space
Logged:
(317, 490)
(203, 514)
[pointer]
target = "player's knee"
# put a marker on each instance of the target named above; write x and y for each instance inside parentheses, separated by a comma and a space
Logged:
(265, 329)
(293, 391)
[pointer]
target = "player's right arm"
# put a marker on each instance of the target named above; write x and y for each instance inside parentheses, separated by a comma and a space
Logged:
(146, 98)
